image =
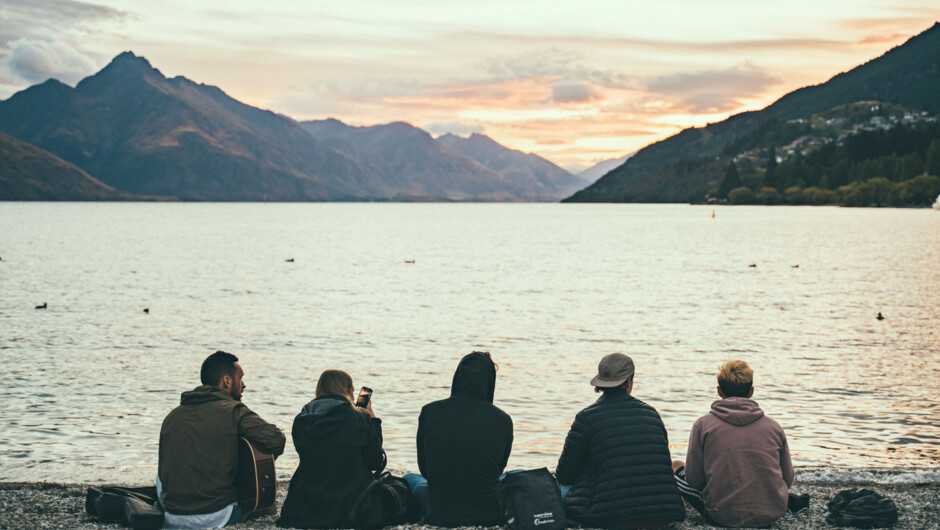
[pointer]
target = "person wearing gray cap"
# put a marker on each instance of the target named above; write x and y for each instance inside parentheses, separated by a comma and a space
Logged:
(616, 458)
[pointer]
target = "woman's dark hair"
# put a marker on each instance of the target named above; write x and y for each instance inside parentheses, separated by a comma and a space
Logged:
(335, 382)
(216, 366)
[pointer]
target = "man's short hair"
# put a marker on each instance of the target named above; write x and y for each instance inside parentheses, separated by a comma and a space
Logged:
(735, 378)
(216, 366)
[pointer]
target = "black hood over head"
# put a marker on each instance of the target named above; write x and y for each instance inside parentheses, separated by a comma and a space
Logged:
(475, 377)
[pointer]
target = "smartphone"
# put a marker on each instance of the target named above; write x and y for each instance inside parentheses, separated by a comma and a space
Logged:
(364, 396)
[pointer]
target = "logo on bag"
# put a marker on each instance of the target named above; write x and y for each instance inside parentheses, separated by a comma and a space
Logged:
(543, 518)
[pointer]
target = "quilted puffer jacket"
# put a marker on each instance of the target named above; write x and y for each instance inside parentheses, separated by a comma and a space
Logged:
(616, 457)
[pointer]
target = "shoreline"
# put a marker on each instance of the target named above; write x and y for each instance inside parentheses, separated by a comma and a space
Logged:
(62, 505)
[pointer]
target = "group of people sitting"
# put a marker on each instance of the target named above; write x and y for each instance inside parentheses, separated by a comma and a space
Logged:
(615, 470)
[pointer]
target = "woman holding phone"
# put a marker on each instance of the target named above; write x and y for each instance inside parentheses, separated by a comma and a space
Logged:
(340, 447)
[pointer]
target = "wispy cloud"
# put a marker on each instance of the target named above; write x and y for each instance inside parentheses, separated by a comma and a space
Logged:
(711, 91)
(900, 24)
(884, 40)
(508, 95)
(550, 45)
(51, 18)
(884, 31)
(565, 63)
(457, 128)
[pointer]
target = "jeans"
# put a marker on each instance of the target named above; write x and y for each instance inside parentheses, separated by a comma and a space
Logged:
(237, 514)
(419, 495)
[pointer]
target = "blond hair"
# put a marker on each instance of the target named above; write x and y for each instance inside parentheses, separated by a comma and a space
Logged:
(336, 382)
(735, 378)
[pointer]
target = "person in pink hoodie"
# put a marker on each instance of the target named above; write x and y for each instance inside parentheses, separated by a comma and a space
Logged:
(737, 471)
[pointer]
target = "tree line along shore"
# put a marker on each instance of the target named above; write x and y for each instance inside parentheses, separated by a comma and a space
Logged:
(857, 155)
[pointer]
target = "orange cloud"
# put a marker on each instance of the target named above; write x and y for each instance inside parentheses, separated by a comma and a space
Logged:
(713, 91)
(510, 94)
(884, 40)
(908, 25)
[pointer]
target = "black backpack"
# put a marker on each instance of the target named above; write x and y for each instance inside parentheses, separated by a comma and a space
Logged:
(861, 509)
(531, 500)
(384, 502)
(135, 507)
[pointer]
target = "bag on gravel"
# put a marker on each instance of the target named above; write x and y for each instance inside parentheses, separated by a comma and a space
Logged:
(532, 501)
(384, 502)
(136, 508)
(862, 509)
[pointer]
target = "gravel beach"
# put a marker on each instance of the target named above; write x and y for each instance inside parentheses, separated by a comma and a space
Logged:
(52, 505)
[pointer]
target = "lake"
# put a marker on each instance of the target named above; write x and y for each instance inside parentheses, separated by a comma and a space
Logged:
(548, 289)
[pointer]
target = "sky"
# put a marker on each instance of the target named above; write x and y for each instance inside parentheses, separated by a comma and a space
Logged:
(574, 82)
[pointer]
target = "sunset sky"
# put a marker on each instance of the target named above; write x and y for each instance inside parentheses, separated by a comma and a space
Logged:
(575, 82)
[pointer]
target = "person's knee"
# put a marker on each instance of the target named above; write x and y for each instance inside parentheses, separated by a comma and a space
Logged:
(415, 481)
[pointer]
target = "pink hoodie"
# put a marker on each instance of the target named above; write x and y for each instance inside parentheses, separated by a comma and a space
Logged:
(739, 459)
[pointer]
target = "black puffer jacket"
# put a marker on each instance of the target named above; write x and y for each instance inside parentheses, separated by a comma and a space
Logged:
(463, 446)
(616, 456)
(339, 447)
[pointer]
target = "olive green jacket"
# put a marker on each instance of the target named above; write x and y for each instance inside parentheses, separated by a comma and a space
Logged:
(199, 450)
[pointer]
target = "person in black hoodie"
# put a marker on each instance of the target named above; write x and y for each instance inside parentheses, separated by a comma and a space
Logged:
(463, 446)
(616, 458)
(340, 447)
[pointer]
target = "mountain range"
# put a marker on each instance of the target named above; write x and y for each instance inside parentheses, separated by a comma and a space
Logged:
(137, 131)
(543, 178)
(140, 133)
(683, 167)
(413, 166)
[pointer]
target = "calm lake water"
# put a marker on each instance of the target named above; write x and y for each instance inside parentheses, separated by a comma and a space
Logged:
(548, 289)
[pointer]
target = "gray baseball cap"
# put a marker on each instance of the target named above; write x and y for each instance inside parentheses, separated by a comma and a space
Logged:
(613, 370)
